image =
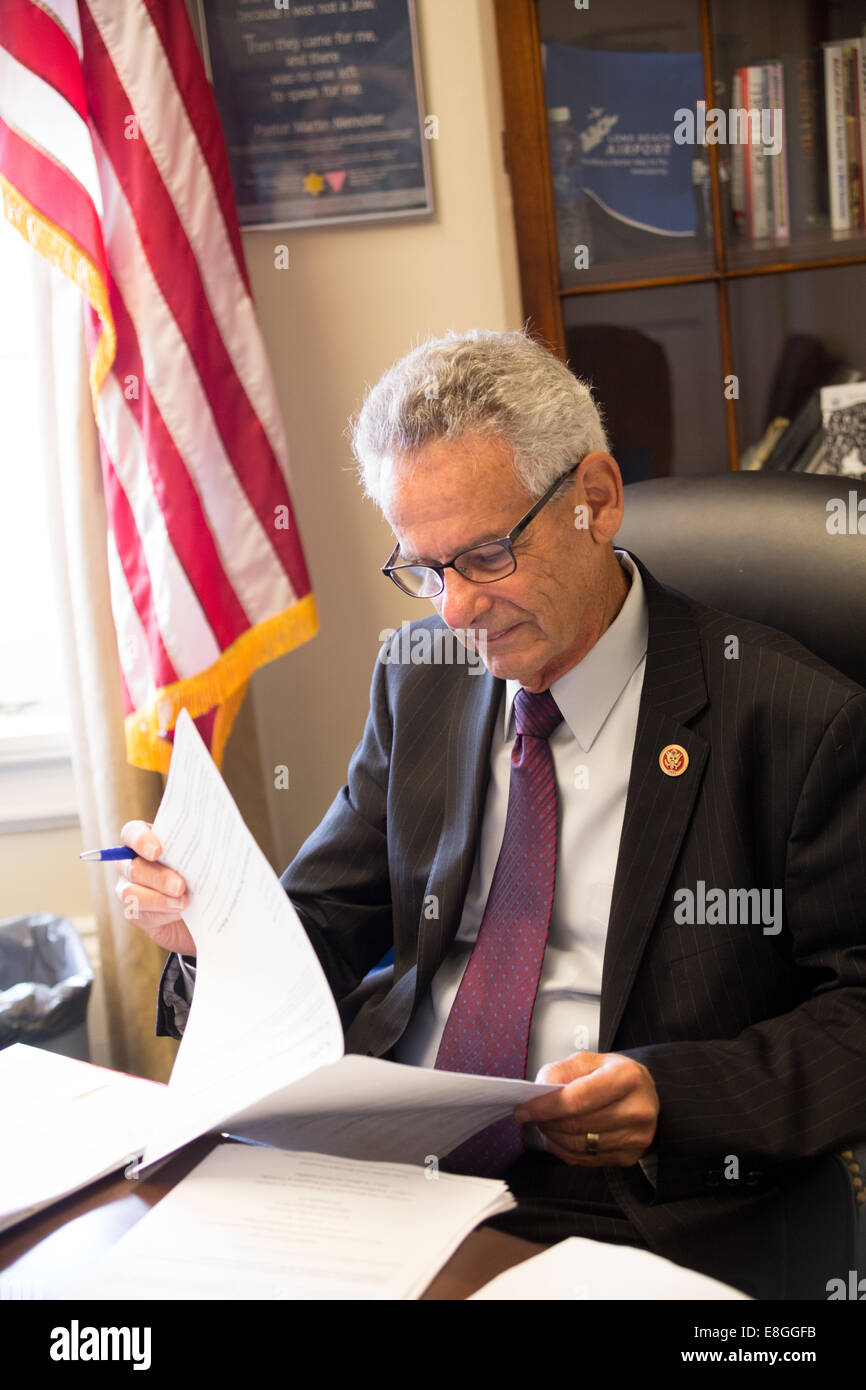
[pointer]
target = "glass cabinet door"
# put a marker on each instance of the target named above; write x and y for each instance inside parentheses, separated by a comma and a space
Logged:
(652, 357)
(632, 199)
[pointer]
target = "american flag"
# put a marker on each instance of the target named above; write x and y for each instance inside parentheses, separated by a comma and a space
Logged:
(113, 167)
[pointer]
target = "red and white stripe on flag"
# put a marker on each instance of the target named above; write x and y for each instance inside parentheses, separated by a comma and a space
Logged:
(113, 167)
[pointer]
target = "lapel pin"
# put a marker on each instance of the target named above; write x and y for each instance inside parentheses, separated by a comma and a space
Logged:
(673, 760)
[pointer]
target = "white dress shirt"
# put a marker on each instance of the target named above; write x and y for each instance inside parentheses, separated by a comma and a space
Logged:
(592, 753)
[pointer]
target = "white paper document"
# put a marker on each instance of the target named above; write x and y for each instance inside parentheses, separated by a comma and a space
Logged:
(65, 1124)
(256, 1223)
(262, 1052)
(579, 1268)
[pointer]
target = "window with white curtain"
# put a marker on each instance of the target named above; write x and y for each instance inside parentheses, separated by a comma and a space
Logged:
(35, 779)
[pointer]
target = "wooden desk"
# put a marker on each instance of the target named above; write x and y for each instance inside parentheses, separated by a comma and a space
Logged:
(71, 1235)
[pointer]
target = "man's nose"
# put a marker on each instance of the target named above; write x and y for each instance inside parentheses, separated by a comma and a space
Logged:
(461, 603)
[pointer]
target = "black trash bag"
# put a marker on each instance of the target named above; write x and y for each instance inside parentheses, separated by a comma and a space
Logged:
(45, 978)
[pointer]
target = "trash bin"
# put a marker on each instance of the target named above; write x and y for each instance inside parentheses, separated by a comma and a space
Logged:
(45, 980)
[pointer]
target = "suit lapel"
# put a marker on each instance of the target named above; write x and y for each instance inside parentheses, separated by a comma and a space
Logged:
(658, 807)
(466, 779)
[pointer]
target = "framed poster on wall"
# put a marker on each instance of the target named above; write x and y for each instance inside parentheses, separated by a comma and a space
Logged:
(321, 107)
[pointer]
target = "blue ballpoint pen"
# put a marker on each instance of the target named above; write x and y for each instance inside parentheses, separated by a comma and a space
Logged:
(117, 852)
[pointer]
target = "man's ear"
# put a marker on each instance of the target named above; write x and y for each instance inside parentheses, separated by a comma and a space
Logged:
(601, 484)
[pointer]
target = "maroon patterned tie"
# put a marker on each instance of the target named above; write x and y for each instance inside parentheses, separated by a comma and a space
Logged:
(487, 1030)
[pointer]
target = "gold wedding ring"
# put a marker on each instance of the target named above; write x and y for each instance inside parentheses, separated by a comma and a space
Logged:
(592, 1143)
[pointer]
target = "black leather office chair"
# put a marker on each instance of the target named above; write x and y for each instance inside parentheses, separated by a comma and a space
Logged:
(758, 545)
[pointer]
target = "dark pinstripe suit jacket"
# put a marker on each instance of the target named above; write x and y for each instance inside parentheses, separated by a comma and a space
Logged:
(756, 1042)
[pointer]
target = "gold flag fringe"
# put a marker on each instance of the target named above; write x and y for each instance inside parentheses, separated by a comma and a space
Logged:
(223, 683)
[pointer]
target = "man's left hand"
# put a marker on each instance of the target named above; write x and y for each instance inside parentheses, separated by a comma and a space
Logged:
(602, 1093)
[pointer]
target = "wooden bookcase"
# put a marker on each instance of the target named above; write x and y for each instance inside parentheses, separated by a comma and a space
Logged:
(741, 300)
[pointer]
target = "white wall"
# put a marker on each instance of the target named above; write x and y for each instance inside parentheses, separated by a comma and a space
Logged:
(40, 872)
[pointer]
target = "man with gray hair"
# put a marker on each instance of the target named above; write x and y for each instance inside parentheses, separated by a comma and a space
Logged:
(553, 810)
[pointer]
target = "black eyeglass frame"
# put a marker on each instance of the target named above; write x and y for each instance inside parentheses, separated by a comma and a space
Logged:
(505, 541)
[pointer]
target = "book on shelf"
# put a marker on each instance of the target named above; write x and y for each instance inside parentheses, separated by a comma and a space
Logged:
(843, 411)
(760, 200)
(837, 148)
(860, 98)
(793, 443)
(851, 85)
(814, 175)
(802, 446)
(776, 164)
(755, 456)
(758, 184)
(811, 460)
(739, 206)
(804, 140)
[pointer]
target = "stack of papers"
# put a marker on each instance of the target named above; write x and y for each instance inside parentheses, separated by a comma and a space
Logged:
(579, 1268)
(66, 1123)
(257, 1223)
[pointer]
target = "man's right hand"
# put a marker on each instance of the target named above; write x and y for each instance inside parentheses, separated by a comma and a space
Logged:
(153, 895)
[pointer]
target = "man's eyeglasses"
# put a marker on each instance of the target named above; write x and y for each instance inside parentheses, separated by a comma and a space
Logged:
(481, 564)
